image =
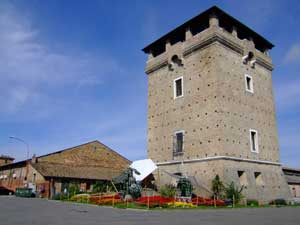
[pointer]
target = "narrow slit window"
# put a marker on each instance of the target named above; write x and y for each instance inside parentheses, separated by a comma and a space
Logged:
(178, 143)
(178, 87)
(254, 140)
(249, 83)
(34, 177)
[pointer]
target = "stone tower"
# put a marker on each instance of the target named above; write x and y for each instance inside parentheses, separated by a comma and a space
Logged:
(211, 106)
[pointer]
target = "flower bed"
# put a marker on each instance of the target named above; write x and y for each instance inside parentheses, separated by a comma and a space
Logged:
(207, 201)
(80, 197)
(182, 205)
(151, 201)
(105, 199)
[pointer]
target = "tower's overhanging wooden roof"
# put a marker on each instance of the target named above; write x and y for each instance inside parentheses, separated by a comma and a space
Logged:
(203, 17)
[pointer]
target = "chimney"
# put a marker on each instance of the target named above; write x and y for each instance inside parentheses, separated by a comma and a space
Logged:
(34, 159)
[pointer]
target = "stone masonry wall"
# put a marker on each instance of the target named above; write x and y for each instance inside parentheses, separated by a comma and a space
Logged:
(271, 186)
(216, 113)
(16, 177)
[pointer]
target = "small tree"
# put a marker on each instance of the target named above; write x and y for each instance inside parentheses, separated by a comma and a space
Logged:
(102, 186)
(234, 193)
(217, 187)
(73, 189)
(168, 190)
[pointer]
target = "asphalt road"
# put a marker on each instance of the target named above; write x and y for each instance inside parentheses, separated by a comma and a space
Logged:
(17, 211)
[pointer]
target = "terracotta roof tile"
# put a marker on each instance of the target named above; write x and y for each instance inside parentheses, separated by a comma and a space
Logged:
(79, 172)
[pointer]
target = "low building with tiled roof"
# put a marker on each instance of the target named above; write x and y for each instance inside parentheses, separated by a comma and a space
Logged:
(50, 174)
(292, 177)
(5, 159)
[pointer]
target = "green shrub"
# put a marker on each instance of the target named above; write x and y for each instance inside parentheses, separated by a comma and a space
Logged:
(56, 197)
(168, 190)
(102, 186)
(73, 189)
(278, 201)
(60, 196)
(252, 202)
(234, 193)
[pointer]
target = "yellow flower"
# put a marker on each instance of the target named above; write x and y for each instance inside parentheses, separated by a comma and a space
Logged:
(182, 205)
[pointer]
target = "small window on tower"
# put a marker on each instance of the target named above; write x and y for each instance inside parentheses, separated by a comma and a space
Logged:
(178, 87)
(249, 83)
(178, 142)
(258, 178)
(242, 178)
(254, 140)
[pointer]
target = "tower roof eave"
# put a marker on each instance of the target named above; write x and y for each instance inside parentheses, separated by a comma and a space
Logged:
(242, 28)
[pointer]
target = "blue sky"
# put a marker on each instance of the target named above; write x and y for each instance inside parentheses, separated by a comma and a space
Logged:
(73, 71)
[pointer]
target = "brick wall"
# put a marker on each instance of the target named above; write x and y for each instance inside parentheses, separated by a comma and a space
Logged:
(92, 154)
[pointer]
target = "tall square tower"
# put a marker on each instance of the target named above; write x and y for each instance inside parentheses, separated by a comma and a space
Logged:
(211, 106)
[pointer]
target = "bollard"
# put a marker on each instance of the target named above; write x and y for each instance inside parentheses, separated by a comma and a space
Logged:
(148, 201)
(215, 201)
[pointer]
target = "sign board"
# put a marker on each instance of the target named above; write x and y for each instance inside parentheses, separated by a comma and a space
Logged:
(145, 167)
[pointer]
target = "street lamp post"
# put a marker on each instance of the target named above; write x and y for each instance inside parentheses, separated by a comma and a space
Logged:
(24, 142)
(27, 157)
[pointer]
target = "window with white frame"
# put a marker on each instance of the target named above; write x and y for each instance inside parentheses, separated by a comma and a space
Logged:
(178, 87)
(178, 142)
(254, 140)
(249, 83)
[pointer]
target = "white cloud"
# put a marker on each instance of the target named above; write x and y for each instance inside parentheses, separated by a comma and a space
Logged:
(29, 68)
(293, 54)
(48, 94)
